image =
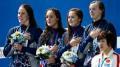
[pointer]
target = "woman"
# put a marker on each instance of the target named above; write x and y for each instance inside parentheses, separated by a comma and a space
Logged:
(74, 33)
(23, 51)
(107, 56)
(89, 44)
(52, 33)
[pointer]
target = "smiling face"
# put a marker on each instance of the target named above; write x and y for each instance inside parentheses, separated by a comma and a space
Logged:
(23, 17)
(51, 19)
(73, 19)
(95, 11)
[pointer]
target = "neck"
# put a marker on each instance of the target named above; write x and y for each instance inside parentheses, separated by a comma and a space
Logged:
(55, 27)
(106, 52)
(78, 25)
(27, 23)
(96, 19)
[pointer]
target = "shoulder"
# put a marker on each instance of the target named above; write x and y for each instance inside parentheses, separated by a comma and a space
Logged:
(82, 28)
(87, 28)
(88, 25)
(65, 35)
(107, 22)
(39, 30)
(96, 58)
(12, 30)
(15, 28)
(111, 27)
(110, 24)
(117, 58)
(45, 34)
(116, 55)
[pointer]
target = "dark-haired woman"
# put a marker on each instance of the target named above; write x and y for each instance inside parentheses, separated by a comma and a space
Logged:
(52, 34)
(22, 54)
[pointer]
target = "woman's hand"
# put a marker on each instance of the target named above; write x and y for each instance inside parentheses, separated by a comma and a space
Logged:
(27, 36)
(75, 41)
(95, 33)
(54, 48)
(18, 46)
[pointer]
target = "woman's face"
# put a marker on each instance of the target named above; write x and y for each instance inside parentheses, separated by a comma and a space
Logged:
(95, 11)
(51, 19)
(73, 19)
(23, 16)
(103, 45)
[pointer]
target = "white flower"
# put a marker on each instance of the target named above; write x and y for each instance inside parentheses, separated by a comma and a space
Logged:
(69, 56)
(43, 51)
(17, 37)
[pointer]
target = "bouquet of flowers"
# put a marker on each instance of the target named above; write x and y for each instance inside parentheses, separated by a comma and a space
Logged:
(17, 37)
(43, 52)
(69, 57)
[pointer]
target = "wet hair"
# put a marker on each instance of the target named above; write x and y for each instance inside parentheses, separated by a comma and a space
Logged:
(101, 7)
(109, 36)
(79, 13)
(58, 15)
(30, 13)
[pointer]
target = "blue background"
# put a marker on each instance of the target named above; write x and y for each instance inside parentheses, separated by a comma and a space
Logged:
(9, 8)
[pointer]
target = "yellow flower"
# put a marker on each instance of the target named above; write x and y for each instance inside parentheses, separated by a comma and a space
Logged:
(17, 37)
(17, 33)
(43, 52)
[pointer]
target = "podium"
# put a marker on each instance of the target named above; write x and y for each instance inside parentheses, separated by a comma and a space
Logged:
(4, 62)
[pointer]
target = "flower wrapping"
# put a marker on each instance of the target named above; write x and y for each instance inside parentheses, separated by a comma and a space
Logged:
(17, 37)
(69, 57)
(43, 52)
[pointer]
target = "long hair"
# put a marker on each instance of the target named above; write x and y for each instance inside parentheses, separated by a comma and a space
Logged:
(30, 13)
(48, 30)
(79, 13)
(58, 15)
